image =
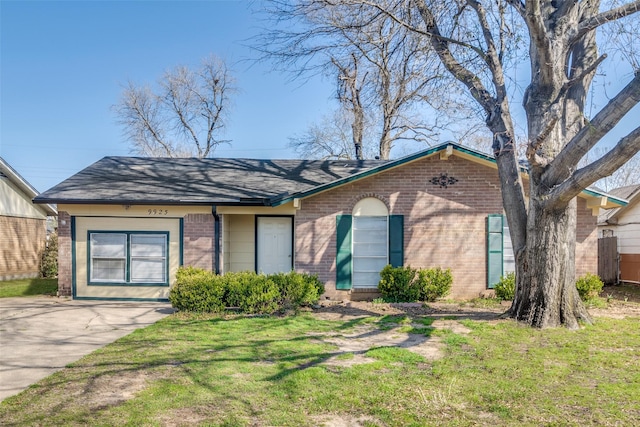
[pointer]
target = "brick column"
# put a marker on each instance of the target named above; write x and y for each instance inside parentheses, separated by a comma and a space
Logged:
(198, 244)
(64, 254)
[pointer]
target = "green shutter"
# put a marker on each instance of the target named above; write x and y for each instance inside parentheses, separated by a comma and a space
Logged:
(396, 240)
(494, 249)
(343, 252)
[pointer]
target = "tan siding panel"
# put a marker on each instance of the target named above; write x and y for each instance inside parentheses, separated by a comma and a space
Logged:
(241, 250)
(13, 202)
(84, 224)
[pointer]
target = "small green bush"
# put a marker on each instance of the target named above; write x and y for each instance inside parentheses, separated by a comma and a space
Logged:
(397, 284)
(589, 287)
(197, 290)
(297, 289)
(251, 292)
(49, 264)
(406, 284)
(434, 283)
(506, 287)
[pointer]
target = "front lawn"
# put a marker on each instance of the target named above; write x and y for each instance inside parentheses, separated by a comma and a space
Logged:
(28, 287)
(306, 371)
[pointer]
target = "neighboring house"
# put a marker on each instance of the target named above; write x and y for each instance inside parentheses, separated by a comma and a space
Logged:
(624, 224)
(23, 226)
(126, 224)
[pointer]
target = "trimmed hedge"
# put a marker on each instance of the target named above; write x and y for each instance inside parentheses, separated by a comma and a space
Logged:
(197, 290)
(406, 284)
(203, 291)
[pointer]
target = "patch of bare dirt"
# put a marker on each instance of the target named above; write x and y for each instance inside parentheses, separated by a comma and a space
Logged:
(365, 336)
(332, 310)
(111, 390)
(625, 292)
(343, 421)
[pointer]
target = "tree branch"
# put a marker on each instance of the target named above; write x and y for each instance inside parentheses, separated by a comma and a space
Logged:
(491, 57)
(469, 79)
(626, 148)
(604, 17)
(519, 7)
(590, 134)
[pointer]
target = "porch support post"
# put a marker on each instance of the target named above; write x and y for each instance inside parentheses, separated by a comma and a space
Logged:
(216, 240)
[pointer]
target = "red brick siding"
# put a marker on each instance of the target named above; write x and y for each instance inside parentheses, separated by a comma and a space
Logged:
(198, 241)
(64, 254)
(22, 242)
(443, 226)
(586, 240)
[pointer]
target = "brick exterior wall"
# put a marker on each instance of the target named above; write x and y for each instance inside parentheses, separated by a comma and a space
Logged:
(443, 227)
(586, 240)
(64, 254)
(199, 241)
(22, 242)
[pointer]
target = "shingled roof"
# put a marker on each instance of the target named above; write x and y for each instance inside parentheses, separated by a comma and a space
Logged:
(221, 181)
(131, 180)
(630, 193)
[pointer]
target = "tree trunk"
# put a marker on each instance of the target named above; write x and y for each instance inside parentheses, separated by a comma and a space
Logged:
(546, 295)
(385, 144)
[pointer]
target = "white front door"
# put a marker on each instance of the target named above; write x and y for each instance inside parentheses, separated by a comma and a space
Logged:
(275, 244)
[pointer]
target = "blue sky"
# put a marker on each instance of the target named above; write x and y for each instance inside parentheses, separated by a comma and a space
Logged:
(63, 65)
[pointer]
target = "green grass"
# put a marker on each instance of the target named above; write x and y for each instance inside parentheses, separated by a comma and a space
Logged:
(269, 371)
(28, 287)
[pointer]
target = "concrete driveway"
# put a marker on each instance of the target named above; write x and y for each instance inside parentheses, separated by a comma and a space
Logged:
(41, 335)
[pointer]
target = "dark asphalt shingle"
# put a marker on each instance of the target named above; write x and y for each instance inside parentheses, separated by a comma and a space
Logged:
(181, 180)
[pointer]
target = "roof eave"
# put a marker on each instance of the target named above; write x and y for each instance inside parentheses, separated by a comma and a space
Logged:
(612, 201)
(258, 202)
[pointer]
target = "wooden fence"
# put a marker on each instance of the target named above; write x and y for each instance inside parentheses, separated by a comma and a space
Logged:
(608, 260)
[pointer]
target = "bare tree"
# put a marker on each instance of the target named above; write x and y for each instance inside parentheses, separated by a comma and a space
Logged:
(628, 174)
(476, 41)
(350, 85)
(331, 138)
(186, 117)
(381, 68)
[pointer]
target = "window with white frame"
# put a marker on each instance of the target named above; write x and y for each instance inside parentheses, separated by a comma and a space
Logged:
(370, 242)
(128, 258)
(370, 250)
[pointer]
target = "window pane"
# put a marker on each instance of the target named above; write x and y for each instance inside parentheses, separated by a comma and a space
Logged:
(151, 245)
(369, 264)
(366, 280)
(370, 249)
(147, 270)
(108, 245)
(370, 222)
(108, 270)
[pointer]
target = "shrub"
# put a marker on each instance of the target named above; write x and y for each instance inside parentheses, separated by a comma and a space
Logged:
(406, 284)
(49, 264)
(506, 287)
(589, 287)
(434, 283)
(251, 292)
(197, 290)
(397, 284)
(297, 289)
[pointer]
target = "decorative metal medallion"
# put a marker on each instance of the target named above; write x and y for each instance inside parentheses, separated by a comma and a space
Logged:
(443, 181)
